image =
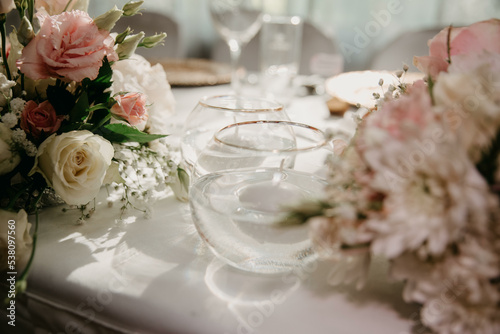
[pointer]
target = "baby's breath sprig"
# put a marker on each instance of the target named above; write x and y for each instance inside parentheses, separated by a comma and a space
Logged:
(147, 175)
(393, 92)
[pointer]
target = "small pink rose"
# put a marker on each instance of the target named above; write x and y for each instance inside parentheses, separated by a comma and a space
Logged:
(472, 40)
(40, 119)
(68, 46)
(131, 107)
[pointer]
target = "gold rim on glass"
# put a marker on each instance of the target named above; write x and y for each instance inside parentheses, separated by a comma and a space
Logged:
(277, 106)
(318, 142)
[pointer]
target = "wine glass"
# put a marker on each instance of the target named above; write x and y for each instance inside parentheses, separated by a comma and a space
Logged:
(237, 21)
(246, 179)
(212, 113)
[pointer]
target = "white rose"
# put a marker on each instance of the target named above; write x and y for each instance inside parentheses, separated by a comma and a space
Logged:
(137, 75)
(23, 241)
(74, 164)
(6, 6)
(8, 159)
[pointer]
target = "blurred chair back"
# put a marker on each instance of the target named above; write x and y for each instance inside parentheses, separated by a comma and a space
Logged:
(153, 23)
(402, 50)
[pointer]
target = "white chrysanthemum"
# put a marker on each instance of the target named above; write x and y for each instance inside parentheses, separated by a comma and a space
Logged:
(456, 318)
(430, 208)
(348, 200)
(137, 75)
(431, 189)
(470, 94)
(464, 273)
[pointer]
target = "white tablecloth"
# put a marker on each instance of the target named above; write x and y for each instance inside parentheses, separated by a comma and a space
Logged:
(156, 276)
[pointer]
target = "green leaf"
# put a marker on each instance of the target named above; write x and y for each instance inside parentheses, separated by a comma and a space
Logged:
(81, 109)
(67, 127)
(97, 89)
(105, 72)
(99, 115)
(62, 100)
(122, 133)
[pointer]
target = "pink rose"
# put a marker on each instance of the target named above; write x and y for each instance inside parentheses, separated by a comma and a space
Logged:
(472, 40)
(68, 46)
(131, 107)
(40, 119)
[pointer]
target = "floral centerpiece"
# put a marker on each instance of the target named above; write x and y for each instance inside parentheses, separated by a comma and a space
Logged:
(419, 184)
(79, 110)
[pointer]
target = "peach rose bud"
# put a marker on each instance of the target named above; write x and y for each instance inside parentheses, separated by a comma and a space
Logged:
(131, 107)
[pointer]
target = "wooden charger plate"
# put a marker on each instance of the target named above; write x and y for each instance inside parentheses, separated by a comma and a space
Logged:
(195, 72)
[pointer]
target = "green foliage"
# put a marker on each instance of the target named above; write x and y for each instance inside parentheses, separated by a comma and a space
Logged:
(61, 99)
(98, 89)
(300, 214)
(89, 109)
(122, 133)
(81, 109)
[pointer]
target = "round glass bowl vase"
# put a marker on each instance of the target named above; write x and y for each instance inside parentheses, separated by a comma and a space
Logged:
(245, 182)
(215, 112)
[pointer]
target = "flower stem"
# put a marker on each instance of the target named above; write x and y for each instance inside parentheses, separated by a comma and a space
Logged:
(448, 44)
(67, 5)
(102, 122)
(31, 10)
(3, 19)
(21, 191)
(430, 85)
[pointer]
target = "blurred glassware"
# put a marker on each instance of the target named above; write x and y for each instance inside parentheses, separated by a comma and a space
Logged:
(245, 179)
(280, 50)
(212, 113)
(237, 21)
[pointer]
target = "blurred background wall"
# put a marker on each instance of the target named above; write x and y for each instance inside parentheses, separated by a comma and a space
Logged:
(361, 30)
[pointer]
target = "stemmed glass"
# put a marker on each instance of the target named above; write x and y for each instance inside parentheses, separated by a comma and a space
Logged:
(237, 21)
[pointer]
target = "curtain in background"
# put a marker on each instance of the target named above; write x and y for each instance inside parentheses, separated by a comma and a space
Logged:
(360, 28)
